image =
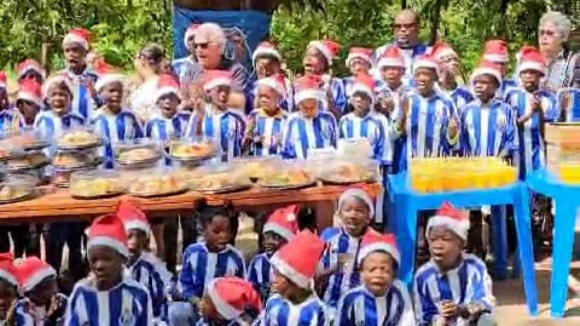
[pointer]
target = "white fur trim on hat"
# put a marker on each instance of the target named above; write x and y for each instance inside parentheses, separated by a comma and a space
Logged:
(323, 49)
(379, 246)
(217, 82)
(38, 277)
(421, 63)
(360, 194)
(29, 97)
(108, 242)
(276, 228)
(446, 52)
(309, 94)
(289, 272)
(391, 62)
(358, 87)
(2, 85)
(496, 58)
(353, 56)
(460, 228)
(73, 38)
(271, 82)
(222, 307)
(138, 225)
(108, 79)
(166, 91)
(530, 65)
(486, 71)
(266, 51)
(8, 277)
(56, 79)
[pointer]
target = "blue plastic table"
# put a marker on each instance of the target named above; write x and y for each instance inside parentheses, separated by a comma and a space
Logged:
(567, 200)
(406, 203)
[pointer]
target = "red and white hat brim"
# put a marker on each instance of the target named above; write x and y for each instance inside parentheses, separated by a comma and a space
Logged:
(460, 228)
(310, 94)
(27, 96)
(360, 88)
(266, 52)
(379, 246)
(391, 62)
(216, 83)
(323, 49)
(497, 58)
(226, 310)
(353, 56)
(426, 64)
(57, 79)
(446, 52)
(28, 68)
(531, 65)
(38, 277)
(8, 277)
(163, 91)
(108, 242)
(138, 225)
(272, 83)
(73, 38)
(279, 230)
(288, 271)
(108, 79)
(486, 71)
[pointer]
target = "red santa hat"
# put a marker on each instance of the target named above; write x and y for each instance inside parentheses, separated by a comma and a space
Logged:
(30, 271)
(107, 74)
(523, 49)
(3, 80)
(189, 32)
(308, 88)
(109, 231)
(374, 241)
(167, 84)
(532, 59)
(30, 90)
(496, 51)
(232, 295)
(359, 194)
(266, 49)
(451, 218)
(215, 78)
(29, 65)
(441, 50)
(391, 57)
(298, 259)
(57, 79)
(427, 62)
(283, 222)
(487, 68)
(364, 83)
(80, 36)
(276, 82)
(360, 53)
(7, 268)
(133, 217)
(328, 48)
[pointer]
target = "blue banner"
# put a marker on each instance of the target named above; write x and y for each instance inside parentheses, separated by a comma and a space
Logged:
(245, 29)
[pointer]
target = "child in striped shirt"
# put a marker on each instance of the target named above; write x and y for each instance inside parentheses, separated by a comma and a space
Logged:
(381, 299)
(29, 102)
(294, 267)
(281, 227)
(453, 288)
(9, 291)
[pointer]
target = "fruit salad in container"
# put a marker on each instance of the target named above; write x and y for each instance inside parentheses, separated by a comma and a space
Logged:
(215, 178)
(287, 174)
(96, 184)
(154, 182)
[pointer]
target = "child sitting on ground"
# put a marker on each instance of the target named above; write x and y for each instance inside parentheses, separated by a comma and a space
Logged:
(294, 302)
(107, 297)
(280, 228)
(42, 304)
(453, 288)
(339, 271)
(229, 301)
(143, 266)
(204, 261)
(382, 299)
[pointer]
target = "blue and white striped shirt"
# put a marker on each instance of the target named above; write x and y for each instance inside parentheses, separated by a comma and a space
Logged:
(352, 127)
(569, 100)
(10, 121)
(359, 307)
(162, 129)
(338, 94)
(27, 314)
(201, 266)
(259, 272)
(460, 97)
(467, 284)
(127, 304)
(301, 134)
(51, 126)
(269, 128)
(83, 104)
(281, 312)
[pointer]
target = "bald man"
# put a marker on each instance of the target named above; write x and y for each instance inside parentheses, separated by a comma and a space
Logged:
(406, 27)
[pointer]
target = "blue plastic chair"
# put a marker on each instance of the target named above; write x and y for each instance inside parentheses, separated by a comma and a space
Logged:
(406, 203)
(567, 200)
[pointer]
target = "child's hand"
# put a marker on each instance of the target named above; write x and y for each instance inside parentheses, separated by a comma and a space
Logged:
(453, 128)
(388, 103)
(344, 260)
(273, 288)
(449, 310)
(536, 104)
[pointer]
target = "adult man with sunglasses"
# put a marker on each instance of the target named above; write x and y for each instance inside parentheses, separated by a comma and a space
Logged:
(406, 27)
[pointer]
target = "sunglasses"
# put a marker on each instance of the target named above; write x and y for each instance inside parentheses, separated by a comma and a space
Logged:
(405, 26)
(547, 32)
(201, 45)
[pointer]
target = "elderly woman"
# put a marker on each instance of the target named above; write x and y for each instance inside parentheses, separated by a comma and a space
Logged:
(563, 65)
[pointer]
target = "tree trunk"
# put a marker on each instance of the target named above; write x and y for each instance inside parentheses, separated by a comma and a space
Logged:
(403, 4)
(130, 4)
(435, 19)
(503, 28)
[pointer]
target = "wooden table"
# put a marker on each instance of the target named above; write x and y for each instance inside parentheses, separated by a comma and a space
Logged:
(58, 205)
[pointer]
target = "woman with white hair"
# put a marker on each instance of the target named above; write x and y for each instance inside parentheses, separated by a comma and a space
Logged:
(563, 65)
